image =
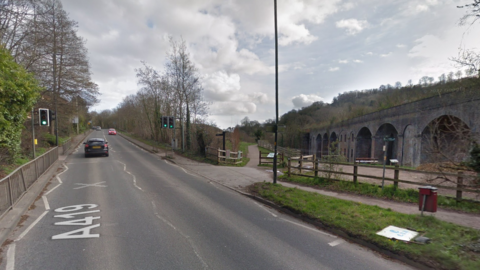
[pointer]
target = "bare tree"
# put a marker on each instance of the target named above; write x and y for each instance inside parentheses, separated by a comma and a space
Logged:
(472, 12)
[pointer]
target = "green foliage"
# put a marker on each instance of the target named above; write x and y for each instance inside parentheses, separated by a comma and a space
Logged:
(51, 139)
(474, 161)
(18, 93)
(258, 134)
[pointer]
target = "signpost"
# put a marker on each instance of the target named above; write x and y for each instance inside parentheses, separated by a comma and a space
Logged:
(386, 139)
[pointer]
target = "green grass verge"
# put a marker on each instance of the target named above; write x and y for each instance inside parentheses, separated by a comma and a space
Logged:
(452, 246)
(389, 192)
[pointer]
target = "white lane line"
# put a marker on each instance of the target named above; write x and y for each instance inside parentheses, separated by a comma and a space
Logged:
(31, 226)
(336, 242)
(312, 229)
(261, 206)
(134, 178)
(52, 189)
(45, 201)
(190, 241)
(175, 165)
(11, 257)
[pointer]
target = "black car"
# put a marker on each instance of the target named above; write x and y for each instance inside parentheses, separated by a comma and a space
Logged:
(96, 146)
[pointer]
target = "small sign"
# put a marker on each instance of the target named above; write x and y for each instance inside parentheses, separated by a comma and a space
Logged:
(393, 232)
(271, 155)
(393, 160)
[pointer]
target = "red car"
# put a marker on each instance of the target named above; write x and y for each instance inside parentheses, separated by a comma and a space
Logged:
(112, 131)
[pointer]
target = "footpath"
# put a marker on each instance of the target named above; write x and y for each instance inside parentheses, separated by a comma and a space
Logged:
(238, 178)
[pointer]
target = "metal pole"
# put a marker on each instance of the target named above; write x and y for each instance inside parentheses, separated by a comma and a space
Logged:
(384, 159)
(33, 132)
(54, 78)
(276, 96)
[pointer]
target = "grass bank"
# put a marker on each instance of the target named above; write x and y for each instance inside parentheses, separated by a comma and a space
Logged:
(451, 247)
(388, 192)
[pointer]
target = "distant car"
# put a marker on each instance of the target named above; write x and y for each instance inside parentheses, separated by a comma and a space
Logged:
(99, 128)
(96, 146)
(112, 131)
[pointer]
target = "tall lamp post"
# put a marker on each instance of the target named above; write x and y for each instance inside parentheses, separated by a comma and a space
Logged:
(276, 96)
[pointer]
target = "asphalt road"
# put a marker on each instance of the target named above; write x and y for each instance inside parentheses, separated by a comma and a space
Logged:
(132, 210)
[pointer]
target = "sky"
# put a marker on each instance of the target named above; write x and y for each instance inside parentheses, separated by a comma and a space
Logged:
(326, 47)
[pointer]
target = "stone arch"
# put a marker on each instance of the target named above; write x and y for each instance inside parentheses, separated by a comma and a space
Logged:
(363, 147)
(386, 130)
(325, 145)
(333, 144)
(318, 145)
(445, 139)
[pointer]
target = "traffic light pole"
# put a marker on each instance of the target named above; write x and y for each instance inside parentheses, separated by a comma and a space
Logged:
(33, 132)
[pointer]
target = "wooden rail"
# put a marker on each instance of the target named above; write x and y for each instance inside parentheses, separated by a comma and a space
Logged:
(460, 177)
(263, 159)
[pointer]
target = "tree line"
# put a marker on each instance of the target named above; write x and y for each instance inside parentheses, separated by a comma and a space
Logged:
(176, 91)
(42, 40)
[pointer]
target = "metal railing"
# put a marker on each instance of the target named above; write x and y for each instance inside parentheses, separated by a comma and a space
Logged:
(14, 185)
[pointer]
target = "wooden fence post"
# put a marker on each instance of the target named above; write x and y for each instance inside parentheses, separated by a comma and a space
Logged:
(218, 155)
(259, 158)
(315, 166)
(289, 164)
(396, 175)
(355, 172)
(459, 185)
(300, 164)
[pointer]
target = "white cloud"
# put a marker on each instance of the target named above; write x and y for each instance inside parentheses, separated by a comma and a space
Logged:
(358, 61)
(302, 100)
(353, 26)
(343, 61)
(333, 69)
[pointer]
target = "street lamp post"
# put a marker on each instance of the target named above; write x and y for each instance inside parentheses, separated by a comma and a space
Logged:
(276, 96)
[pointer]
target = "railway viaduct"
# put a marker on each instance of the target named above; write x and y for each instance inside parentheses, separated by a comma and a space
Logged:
(414, 133)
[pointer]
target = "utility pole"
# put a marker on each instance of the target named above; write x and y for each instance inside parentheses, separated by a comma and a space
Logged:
(276, 96)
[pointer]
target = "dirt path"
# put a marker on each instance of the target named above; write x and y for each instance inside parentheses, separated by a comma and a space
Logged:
(253, 155)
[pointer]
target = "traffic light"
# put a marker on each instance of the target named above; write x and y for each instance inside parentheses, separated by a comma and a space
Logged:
(52, 115)
(171, 122)
(44, 117)
(164, 121)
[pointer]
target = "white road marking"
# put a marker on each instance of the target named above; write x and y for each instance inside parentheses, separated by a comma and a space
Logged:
(84, 233)
(11, 257)
(90, 185)
(134, 178)
(52, 189)
(336, 242)
(312, 229)
(192, 245)
(259, 205)
(31, 226)
(45, 201)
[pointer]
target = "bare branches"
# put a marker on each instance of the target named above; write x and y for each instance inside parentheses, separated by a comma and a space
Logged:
(472, 14)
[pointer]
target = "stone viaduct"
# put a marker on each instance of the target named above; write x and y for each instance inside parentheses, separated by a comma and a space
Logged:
(412, 129)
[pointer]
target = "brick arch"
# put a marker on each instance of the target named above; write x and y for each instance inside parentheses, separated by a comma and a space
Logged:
(445, 139)
(363, 146)
(386, 130)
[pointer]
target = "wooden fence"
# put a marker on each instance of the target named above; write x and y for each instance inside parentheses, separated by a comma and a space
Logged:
(459, 186)
(264, 159)
(289, 152)
(224, 157)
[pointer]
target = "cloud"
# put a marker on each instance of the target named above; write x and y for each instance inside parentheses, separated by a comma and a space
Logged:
(353, 26)
(302, 100)
(357, 61)
(333, 69)
(343, 61)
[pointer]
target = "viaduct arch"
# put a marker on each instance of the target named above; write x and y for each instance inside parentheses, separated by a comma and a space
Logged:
(423, 131)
